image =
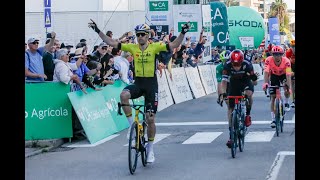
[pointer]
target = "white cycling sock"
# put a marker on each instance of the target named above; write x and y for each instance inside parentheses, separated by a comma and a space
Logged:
(130, 120)
(150, 146)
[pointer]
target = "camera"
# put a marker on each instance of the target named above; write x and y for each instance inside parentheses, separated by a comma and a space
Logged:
(49, 35)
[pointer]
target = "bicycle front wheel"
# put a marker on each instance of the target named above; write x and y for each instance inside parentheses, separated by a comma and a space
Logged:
(133, 150)
(241, 135)
(234, 134)
(143, 144)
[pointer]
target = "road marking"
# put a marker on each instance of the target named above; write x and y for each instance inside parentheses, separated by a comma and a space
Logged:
(259, 136)
(158, 138)
(202, 137)
(86, 143)
(215, 123)
(275, 167)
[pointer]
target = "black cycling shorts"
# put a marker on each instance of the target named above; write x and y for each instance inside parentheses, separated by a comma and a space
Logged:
(237, 87)
(276, 81)
(147, 87)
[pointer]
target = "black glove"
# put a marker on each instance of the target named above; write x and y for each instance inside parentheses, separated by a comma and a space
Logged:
(185, 28)
(94, 26)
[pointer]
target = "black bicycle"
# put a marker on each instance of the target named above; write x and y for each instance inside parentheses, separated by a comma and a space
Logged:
(137, 138)
(238, 130)
(279, 109)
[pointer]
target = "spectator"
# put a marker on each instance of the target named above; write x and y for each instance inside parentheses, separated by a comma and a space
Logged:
(99, 53)
(48, 63)
(83, 69)
(121, 64)
(63, 71)
(34, 69)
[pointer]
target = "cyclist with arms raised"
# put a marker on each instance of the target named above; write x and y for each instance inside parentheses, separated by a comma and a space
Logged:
(279, 69)
(145, 73)
(241, 77)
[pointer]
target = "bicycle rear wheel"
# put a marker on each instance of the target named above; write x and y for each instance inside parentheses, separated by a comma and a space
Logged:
(143, 144)
(277, 116)
(234, 134)
(133, 152)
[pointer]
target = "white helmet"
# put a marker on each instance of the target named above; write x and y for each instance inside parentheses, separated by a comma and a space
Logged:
(142, 28)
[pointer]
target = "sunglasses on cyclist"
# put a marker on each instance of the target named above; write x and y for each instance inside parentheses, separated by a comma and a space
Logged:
(36, 42)
(141, 34)
(277, 54)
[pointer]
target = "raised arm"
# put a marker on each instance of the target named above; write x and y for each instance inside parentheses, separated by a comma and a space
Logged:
(105, 38)
(179, 39)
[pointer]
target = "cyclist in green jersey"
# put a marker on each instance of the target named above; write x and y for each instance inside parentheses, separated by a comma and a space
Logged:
(224, 56)
(145, 73)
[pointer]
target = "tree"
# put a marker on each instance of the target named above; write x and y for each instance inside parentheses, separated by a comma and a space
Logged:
(279, 9)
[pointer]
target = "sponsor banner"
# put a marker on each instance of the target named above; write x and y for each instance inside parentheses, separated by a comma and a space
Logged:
(164, 95)
(213, 70)
(97, 111)
(48, 111)
(207, 79)
(179, 86)
(93, 114)
(219, 21)
(206, 21)
(159, 12)
(195, 82)
(274, 31)
(183, 13)
(247, 42)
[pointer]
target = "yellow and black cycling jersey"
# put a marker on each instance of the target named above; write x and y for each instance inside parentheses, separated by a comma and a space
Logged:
(144, 61)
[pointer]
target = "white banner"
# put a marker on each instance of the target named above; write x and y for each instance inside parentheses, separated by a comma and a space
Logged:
(206, 20)
(183, 13)
(164, 96)
(194, 81)
(207, 79)
(247, 41)
(179, 85)
(159, 12)
(213, 70)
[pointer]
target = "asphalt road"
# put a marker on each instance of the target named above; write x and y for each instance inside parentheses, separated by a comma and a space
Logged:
(178, 155)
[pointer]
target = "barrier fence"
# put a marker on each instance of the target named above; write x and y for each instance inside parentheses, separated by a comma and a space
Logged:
(48, 105)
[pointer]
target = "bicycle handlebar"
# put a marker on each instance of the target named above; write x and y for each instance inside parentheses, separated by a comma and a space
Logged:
(236, 97)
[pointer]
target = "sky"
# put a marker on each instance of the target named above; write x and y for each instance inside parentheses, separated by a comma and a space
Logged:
(290, 4)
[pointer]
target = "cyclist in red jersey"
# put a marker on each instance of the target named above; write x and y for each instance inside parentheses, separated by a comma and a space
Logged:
(279, 69)
(290, 54)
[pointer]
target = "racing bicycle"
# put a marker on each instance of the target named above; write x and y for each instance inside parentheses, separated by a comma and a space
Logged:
(137, 137)
(279, 109)
(238, 130)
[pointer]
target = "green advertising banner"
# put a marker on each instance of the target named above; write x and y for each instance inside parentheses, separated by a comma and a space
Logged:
(246, 27)
(158, 6)
(219, 21)
(98, 111)
(111, 95)
(93, 114)
(193, 26)
(48, 112)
